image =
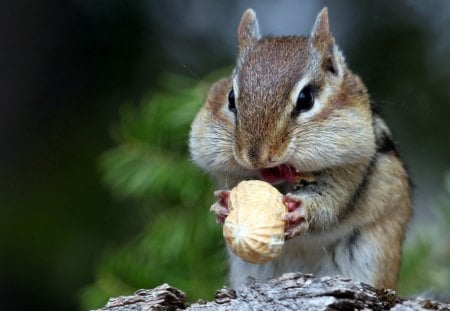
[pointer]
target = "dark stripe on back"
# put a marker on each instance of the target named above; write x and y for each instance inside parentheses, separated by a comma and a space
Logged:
(333, 250)
(385, 144)
(352, 243)
(360, 189)
(374, 108)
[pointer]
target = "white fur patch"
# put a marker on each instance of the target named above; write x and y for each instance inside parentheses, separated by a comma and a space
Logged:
(235, 89)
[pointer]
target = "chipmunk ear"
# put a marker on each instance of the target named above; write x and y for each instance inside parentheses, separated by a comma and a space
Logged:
(320, 34)
(248, 31)
(323, 40)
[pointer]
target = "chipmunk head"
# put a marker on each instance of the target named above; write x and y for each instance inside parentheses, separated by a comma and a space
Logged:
(290, 101)
(289, 95)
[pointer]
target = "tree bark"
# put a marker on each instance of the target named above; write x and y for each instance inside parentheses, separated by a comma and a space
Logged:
(292, 291)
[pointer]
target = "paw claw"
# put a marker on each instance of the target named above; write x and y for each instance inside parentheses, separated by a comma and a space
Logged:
(294, 231)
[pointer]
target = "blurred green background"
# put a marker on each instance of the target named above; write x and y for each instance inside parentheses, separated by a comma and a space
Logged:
(98, 196)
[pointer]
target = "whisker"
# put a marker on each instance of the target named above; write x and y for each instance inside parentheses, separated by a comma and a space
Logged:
(190, 71)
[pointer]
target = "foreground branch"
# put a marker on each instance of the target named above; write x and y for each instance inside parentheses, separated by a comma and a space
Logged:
(292, 291)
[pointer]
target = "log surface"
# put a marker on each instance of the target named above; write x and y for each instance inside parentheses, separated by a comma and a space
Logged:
(292, 291)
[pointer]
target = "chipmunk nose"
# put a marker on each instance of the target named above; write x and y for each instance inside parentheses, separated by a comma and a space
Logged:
(256, 157)
(253, 154)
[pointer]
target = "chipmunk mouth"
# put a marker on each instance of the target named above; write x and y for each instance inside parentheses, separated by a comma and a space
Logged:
(286, 178)
(280, 174)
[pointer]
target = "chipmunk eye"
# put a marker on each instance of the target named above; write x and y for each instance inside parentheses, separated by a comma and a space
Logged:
(305, 100)
(231, 101)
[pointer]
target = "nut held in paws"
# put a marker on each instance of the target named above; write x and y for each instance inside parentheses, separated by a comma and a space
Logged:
(254, 229)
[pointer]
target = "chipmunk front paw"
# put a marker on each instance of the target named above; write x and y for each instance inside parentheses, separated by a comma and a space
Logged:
(220, 208)
(295, 218)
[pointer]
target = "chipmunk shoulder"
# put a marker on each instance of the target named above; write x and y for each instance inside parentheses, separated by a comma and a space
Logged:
(293, 114)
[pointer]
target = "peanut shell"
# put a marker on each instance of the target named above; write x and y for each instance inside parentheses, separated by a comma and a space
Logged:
(254, 229)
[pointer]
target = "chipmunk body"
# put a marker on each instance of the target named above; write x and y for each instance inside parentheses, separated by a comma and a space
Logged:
(293, 114)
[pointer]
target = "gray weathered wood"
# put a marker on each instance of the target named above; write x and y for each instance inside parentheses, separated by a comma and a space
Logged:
(293, 291)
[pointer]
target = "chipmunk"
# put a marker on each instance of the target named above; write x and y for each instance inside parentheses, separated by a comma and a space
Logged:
(293, 114)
